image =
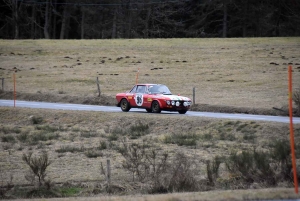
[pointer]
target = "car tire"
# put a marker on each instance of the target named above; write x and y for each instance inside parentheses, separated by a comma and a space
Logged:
(149, 110)
(182, 111)
(155, 107)
(125, 107)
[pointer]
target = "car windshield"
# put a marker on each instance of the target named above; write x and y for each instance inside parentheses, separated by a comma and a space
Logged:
(159, 89)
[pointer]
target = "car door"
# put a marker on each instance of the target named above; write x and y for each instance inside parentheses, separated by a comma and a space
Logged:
(139, 95)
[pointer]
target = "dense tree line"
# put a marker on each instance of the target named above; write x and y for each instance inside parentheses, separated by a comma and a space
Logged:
(100, 19)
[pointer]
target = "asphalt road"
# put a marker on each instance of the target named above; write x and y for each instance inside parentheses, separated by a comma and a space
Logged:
(67, 106)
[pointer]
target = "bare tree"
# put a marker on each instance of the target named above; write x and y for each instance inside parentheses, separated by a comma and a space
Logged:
(46, 25)
(15, 7)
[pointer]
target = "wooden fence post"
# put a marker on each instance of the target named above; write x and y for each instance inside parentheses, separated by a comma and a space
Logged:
(108, 178)
(99, 91)
(194, 102)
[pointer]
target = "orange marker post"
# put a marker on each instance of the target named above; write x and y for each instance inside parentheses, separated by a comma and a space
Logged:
(15, 93)
(292, 131)
(137, 76)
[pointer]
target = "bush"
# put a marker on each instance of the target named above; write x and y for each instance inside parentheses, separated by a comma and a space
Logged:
(296, 99)
(102, 145)
(8, 138)
(36, 120)
(182, 139)
(88, 134)
(135, 156)
(281, 155)
(212, 169)
(23, 137)
(251, 167)
(182, 174)
(38, 167)
(64, 149)
(138, 130)
(42, 136)
(93, 153)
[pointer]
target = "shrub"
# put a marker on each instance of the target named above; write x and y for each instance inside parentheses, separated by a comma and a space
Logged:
(182, 174)
(23, 137)
(296, 99)
(212, 169)
(88, 134)
(8, 138)
(47, 128)
(182, 139)
(135, 155)
(42, 136)
(102, 145)
(280, 152)
(64, 149)
(36, 120)
(138, 130)
(93, 153)
(38, 166)
(8, 130)
(251, 167)
(5, 188)
(113, 137)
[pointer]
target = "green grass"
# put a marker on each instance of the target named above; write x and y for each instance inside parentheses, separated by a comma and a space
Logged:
(71, 149)
(182, 139)
(69, 191)
(8, 138)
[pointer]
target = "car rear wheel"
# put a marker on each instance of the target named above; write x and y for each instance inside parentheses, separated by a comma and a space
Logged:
(182, 111)
(125, 105)
(155, 107)
(149, 110)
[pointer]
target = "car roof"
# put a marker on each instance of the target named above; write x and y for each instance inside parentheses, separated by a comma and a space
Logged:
(148, 84)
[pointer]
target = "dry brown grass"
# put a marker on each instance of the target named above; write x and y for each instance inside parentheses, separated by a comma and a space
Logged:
(226, 72)
(261, 194)
(250, 72)
(72, 129)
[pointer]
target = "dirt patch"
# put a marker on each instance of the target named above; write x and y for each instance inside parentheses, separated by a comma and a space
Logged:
(111, 101)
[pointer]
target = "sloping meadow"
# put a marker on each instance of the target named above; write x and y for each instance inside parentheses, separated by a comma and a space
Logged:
(237, 72)
(153, 153)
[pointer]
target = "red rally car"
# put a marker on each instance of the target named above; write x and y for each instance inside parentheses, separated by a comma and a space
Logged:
(154, 98)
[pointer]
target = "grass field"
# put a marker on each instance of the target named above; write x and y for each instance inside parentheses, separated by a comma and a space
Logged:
(226, 72)
(250, 72)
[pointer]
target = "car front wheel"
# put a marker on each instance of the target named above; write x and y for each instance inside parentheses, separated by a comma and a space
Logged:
(155, 107)
(125, 105)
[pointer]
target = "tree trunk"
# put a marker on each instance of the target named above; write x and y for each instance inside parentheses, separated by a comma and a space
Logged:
(82, 22)
(225, 18)
(245, 18)
(46, 25)
(129, 25)
(33, 20)
(114, 26)
(146, 31)
(64, 23)
(54, 21)
(16, 18)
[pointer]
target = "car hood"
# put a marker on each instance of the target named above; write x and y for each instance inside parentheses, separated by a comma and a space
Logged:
(175, 97)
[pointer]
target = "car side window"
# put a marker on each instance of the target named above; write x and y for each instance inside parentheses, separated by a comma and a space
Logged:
(141, 89)
(133, 90)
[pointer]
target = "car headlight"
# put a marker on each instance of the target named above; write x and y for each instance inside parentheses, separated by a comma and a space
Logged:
(173, 102)
(185, 104)
(168, 102)
(177, 103)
